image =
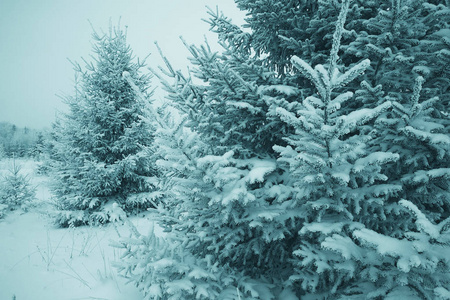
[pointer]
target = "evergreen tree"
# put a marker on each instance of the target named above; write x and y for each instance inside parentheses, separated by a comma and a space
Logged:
(220, 171)
(419, 133)
(101, 147)
(339, 183)
(293, 181)
(405, 39)
(16, 190)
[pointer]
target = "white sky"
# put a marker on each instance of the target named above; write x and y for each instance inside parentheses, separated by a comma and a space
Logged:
(37, 37)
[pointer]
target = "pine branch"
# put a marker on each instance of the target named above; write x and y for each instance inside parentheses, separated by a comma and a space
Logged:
(337, 36)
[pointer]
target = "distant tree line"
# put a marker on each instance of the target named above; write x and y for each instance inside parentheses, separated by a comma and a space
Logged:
(20, 141)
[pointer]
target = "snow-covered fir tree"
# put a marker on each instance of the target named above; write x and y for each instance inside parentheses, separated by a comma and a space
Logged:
(405, 39)
(220, 179)
(16, 190)
(100, 152)
(296, 177)
(419, 132)
(340, 179)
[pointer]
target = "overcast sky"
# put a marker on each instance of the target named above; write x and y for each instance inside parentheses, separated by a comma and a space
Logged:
(37, 37)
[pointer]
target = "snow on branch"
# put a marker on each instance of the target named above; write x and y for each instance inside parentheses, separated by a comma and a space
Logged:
(362, 116)
(279, 88)
(309, 73)
(338, 101)
(389, 246)
(417, 89)
(434, 138)
(337, 36)
(244, 105)
(259, 169)
(422, 222)
(350, 75)
(374, 158)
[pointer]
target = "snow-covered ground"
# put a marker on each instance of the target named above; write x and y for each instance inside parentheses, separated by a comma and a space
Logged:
(42, 262)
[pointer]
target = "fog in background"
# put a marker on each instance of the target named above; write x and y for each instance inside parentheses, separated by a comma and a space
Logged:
(38, 37)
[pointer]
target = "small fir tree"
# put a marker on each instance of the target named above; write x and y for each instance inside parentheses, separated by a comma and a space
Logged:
(16, 189)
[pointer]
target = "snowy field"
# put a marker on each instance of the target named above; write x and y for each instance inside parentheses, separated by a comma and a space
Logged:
(39, 261)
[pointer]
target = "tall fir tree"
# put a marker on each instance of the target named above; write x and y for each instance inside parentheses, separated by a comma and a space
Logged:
(219, 195)
(293, 181)
(101, 147)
